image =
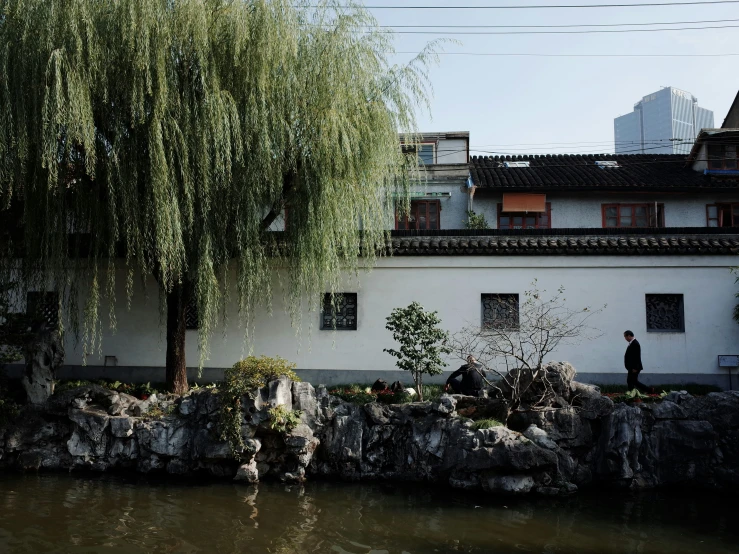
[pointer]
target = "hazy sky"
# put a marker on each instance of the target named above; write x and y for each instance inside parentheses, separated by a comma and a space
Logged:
(509, 104)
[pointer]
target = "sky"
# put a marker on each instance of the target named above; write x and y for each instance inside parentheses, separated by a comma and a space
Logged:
(562, 104)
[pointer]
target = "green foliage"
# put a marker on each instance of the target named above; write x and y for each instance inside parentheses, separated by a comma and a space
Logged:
(359, 394)
(283, 420)
(486, 424)
(475, 221)
(245, 377)
(173, 134)
(422, 342)
(135, 389)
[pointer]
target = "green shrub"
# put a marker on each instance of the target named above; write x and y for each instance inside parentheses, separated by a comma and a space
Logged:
(486, 424)
(476, 221)
(245, 377)
(283, 420)
(254, 373)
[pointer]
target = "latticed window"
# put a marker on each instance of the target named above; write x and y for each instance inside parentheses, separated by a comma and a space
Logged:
(43, 306)
(500, 311)
(665, 313)
(339, 311)
(192, 319)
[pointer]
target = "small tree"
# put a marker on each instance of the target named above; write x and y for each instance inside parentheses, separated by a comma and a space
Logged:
(515, 347)
(476, 221)
(421, 342)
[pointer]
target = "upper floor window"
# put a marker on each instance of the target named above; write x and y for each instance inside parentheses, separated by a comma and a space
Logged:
(722, 215)
(722, 156)
(633, 215)
(425, 152)
(525, 220)
(424, 215)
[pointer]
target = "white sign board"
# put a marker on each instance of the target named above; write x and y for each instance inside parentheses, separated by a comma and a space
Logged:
(728, 361)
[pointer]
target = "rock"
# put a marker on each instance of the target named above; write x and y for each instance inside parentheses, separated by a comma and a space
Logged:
(187, 406)
(43, 355)
(121, 426)
(91, 421)
(668, 410)
(619, 445)
(508, 484)
(446, 405)
(248, 472)
(166, 437)
(304, 399)
(678, 397)
(540, 437)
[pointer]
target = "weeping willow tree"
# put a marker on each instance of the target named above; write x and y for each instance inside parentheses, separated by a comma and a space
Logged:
(166, 137)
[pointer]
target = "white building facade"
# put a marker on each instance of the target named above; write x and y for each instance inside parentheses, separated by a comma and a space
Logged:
(651, 237)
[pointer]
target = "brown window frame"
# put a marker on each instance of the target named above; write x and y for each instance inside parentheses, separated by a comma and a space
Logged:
(415, 204)
(537, 215)
(720, 158)
(660, 216)
(721, 207)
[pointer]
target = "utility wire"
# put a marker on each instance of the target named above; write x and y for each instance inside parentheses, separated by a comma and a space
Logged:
(592, 31)
(547, 7)
(537, 55)
(543, 26)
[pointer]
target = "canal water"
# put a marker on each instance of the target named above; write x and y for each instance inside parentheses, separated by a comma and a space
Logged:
(128, 514)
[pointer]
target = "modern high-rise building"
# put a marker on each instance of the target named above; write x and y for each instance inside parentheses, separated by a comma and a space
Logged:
(664, 122)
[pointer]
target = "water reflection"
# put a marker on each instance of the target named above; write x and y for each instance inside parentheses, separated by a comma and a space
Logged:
(59, 513)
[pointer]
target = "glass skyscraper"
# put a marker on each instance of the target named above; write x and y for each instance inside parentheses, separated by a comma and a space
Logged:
(664, 122)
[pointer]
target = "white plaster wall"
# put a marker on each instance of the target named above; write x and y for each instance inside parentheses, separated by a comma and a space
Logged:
(452, 285)
(584, 210)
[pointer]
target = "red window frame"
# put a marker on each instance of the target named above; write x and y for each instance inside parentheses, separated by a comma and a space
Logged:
(419, 209)
(720, 211)
(651, 223)
(542, 220)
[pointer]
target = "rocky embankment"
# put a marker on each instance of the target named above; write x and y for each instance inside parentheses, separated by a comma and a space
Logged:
(582, 439)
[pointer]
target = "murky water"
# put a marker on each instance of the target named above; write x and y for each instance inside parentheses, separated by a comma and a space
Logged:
(73, 514)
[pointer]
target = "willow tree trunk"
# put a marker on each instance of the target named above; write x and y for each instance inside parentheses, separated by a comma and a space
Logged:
(176, 362)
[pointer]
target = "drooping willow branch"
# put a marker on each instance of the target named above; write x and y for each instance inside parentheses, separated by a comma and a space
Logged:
(171, 134)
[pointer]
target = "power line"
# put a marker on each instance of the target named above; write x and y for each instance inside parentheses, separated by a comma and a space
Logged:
(548, 7)
(537, 55)
(545, 26)
(592, 31)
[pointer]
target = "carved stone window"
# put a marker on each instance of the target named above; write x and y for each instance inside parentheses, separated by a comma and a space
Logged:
(665, 313)
(339, 311)
(500, 311)
(192, 319)
(43, 306)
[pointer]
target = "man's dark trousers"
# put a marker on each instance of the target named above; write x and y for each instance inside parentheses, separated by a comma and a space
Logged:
(632, 363)
(632, 381)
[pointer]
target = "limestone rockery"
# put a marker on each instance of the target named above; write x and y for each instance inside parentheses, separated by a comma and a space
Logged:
(582, 439)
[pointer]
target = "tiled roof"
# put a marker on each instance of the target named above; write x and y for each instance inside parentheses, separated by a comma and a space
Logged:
(580, 172)
(562, 244)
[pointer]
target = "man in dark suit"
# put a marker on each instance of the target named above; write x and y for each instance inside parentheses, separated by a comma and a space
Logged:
(471, 382)
(632, 361)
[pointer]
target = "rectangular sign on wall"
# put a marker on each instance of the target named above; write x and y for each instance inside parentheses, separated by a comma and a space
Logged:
(728, 361)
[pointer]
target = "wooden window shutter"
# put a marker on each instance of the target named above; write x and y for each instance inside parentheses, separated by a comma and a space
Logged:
(525, 203)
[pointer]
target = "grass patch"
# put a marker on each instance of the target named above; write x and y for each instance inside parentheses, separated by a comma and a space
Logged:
(486, 424)
(692, 388)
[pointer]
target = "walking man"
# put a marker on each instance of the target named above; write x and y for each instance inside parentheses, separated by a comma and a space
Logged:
(632, 361)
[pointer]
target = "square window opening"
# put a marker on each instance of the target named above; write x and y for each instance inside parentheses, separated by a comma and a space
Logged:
(500, 311)
(665, 313)
(339, 312)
